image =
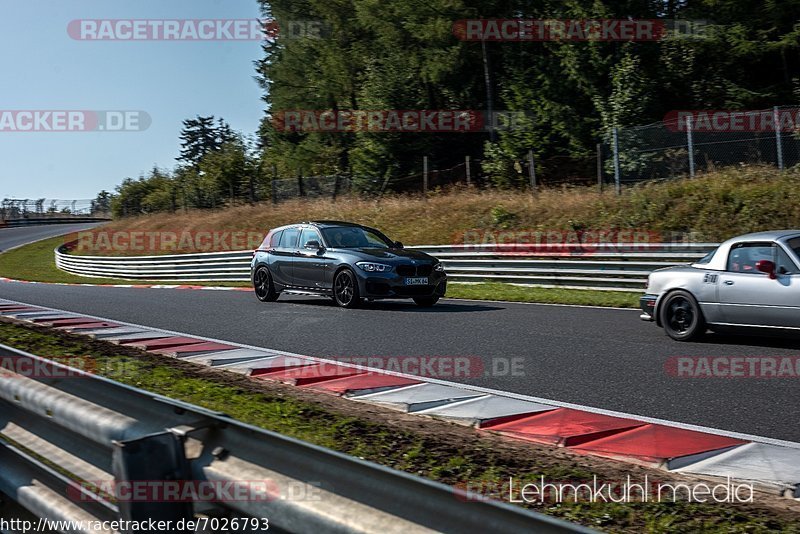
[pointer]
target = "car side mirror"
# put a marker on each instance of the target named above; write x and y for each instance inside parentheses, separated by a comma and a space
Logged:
(766, 266)
(398, 244)
(313, 245)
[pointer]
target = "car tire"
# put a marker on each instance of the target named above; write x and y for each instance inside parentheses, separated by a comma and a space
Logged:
(681, 316)
(263, 286)
(426, 302)
(345, 289)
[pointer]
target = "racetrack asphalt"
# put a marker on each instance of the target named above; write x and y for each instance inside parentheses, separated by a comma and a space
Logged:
(14, 237)
(603, 358)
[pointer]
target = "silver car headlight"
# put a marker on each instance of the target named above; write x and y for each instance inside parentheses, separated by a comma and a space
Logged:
(438, 267)
(373, 267)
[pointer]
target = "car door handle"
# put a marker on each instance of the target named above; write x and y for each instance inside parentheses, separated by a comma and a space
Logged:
(728, 282)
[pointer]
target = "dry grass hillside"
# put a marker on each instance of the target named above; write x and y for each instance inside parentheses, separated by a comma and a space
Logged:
(714, 206)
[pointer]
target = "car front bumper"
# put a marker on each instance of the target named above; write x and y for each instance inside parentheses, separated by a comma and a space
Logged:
(648, 305)
(390, 285)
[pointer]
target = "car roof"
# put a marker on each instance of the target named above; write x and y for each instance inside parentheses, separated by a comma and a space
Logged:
(321, 224)
(719, 260)
(326, 223)
(771, 235)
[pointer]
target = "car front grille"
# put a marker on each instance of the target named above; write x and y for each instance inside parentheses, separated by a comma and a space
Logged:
(415, 270)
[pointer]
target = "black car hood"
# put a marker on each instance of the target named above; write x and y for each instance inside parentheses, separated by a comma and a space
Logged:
(388, 254)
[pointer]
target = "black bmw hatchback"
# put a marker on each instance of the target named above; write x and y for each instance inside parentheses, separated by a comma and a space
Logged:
(345, 261)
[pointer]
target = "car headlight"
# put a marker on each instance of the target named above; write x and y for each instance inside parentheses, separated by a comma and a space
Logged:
(374, 267)
(438, 267)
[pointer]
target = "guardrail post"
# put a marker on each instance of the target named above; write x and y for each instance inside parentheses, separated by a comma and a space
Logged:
(778, 140)
(157, 457)
(690, 143)
(616, 161)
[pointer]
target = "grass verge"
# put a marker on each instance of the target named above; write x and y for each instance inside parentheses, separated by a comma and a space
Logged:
(35, 263)
(448, 453)
(546, 295)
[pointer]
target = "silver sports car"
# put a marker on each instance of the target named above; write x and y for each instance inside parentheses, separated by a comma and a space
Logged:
(750, 281)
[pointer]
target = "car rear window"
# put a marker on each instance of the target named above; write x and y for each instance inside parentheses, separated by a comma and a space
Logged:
(707, 258)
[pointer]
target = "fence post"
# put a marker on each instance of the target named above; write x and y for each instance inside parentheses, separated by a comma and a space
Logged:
(616, 161)
(469, 178)
(300, 190)
(532, 170)
(600, 166)
(274, 184)
(425, 175)
(778, 140)
(690, 143)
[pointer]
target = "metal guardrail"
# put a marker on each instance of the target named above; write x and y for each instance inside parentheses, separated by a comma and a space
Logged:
(570, 266)
(37, 221)
(64, 433)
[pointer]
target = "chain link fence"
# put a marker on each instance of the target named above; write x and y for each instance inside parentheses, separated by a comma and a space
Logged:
(694, 142)
(310, 187)
(558, 170)
(687, 143)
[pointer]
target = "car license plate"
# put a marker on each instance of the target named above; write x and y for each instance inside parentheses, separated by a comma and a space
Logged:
(416, 281)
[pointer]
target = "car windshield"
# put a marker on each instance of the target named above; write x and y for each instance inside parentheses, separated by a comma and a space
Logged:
(355, 237)
(794, 244)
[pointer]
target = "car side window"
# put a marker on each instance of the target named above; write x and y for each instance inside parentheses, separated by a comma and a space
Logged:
(289, 238)
(309, 235)
(743, 258)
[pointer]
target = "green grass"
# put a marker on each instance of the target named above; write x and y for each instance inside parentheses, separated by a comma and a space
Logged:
(512, 293)
(420, 449)
(36, 263)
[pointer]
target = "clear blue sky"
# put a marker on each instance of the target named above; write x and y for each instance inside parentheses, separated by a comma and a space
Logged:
(42, 68)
